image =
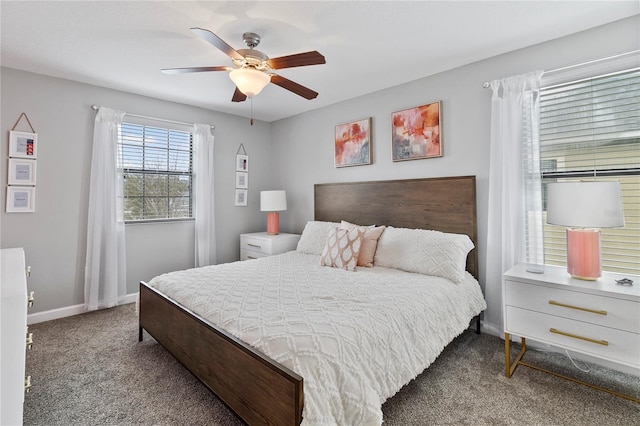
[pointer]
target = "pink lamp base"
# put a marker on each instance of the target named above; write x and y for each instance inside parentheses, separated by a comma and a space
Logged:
(273, 223)
(583, 254)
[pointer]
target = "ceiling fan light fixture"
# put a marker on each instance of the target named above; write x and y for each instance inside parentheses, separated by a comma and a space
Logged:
(249, 80)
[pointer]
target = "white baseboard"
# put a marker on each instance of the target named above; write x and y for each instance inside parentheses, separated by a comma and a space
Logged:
(68, 311)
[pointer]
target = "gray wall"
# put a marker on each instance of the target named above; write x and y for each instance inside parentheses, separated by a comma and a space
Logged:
(302, 152)
(54, 236)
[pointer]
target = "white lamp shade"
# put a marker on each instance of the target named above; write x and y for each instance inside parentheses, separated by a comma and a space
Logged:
(586, 204)
(249, 81)
(273, 201)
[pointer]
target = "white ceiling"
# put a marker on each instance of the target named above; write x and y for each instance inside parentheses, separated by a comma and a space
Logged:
(368, 45)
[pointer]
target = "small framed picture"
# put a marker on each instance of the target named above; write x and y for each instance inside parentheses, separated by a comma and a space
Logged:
(242, 180)
(242, 163)
(22, 172)
(23, 144)
(417, 132)
(241, 197)
(352, 143)
(21, 199)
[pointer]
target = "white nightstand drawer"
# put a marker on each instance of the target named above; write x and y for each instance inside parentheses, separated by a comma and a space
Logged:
(255, 244)
(250, 254)
(621, 346)
(261, 244)
(591, 308)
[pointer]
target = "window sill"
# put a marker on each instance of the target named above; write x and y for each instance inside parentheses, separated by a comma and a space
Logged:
(155, 221)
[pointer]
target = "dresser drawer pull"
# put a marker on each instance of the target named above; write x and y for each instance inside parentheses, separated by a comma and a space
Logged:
(253, 245)
(575, 336)
(593, 311)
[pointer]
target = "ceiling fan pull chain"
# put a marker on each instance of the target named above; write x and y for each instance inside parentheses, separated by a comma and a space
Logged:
(251, 98)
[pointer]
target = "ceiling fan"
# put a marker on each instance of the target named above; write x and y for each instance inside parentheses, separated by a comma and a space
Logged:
(252, 70)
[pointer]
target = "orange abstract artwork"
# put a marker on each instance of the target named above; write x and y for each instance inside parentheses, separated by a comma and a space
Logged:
(416, 133)
(353, 143)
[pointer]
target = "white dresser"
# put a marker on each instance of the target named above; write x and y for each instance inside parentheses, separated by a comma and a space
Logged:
(13, 335)
(597, 318)
(261, 244)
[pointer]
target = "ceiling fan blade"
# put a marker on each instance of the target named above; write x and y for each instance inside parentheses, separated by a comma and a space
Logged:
(238, 96)
(293, 87)
(192, 69)
(217, 42)
(297, 60)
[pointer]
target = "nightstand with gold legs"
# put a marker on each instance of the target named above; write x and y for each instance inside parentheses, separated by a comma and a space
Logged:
(598, 319)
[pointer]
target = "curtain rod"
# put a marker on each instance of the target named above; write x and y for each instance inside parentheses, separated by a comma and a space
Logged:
(487, 84)
(96, 107)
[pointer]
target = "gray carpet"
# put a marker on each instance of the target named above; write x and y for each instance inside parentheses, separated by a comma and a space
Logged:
(91, 370)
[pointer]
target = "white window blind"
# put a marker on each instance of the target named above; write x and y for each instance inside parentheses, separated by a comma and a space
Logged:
(590, 129)
(158, 172)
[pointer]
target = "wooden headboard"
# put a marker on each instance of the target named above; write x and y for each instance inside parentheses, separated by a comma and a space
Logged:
(445, 204)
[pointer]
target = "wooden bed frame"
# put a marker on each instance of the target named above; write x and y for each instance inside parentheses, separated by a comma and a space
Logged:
(258, 389)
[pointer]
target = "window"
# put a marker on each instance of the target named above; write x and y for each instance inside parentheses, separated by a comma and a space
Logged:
(590, 129)
(158, 173)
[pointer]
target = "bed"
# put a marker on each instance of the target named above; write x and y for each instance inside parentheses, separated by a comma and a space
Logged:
(250, 362)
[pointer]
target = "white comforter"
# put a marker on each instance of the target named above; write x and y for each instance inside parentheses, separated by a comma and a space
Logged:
(355, 337)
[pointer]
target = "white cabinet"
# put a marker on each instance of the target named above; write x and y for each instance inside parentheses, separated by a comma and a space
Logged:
(13, 335)
(261, 244)
(597, 318)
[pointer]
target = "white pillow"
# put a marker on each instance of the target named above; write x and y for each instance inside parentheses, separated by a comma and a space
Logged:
(424, 252)
(314, 236)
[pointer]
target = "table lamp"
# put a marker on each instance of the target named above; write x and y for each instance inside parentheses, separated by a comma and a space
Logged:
(584, 207)
(273, 202)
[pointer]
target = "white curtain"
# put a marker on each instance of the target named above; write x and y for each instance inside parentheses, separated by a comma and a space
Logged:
(203, 200)
(514, 232)
(105, 279)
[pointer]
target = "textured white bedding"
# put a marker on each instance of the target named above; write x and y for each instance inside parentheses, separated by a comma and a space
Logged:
(355, 337)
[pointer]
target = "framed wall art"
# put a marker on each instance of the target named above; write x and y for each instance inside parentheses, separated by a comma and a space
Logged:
(242, 163)
(22, 172)
(242, 180)
(23, 144)
(21, 199)
(417, 132)
(352, 143)
(241, 197)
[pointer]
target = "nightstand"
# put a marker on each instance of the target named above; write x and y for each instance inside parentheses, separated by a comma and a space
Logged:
(261, 244)
(597, 318)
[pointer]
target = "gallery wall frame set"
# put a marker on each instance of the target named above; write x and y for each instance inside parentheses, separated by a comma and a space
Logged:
(242, 177)
(416, 133)
(21, 170)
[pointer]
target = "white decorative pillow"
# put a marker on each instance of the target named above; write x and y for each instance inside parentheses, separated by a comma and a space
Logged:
(424, 252)
(342, 248)
(314, 236)
(369, 242)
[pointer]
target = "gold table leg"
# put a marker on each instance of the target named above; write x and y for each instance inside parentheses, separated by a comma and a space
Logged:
(511, 367)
